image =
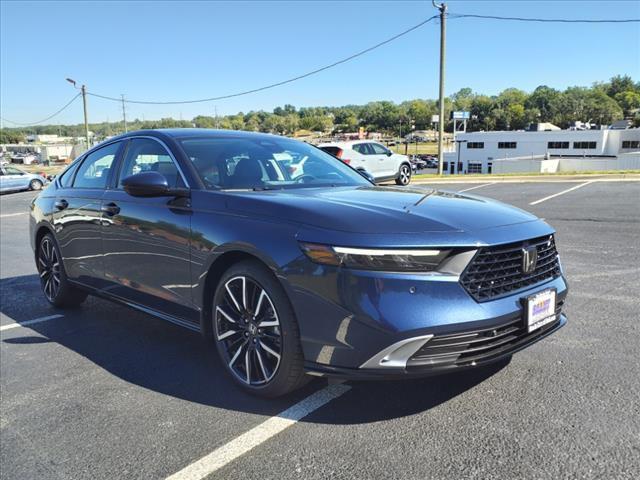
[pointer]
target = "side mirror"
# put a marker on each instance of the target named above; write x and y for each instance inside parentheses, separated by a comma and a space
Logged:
(146, 184)
(367, 175)
(389, 153)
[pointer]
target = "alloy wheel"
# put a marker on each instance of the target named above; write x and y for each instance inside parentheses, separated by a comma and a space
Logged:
(248, 328)
(405, 175)
(35, 185)
(49, 269)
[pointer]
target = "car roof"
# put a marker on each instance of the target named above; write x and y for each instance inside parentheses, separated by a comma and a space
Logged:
(181, 133)
(346, 143)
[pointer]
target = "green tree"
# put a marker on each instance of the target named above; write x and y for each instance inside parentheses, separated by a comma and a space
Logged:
(546, 101)
(628, 101)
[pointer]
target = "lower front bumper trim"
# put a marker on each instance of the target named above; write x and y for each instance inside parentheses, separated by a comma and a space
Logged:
(418, 371)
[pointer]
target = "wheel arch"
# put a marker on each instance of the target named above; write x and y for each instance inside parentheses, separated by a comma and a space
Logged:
(41, 231)
(220, 264)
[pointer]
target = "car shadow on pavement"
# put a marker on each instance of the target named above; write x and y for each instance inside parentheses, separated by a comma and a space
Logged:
(171, 360)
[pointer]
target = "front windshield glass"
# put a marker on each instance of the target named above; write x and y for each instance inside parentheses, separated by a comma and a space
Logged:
(265, 164)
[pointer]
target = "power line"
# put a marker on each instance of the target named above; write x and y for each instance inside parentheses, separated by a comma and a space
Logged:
(44, 120)
(277, 84)
(545, 20)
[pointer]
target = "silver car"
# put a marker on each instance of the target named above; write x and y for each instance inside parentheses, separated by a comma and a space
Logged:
(14, 179)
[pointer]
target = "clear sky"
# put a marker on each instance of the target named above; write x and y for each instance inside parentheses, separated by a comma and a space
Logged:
(170, 50)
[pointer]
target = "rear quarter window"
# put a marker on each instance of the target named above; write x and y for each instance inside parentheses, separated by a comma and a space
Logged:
(332, 150)
(66, 177)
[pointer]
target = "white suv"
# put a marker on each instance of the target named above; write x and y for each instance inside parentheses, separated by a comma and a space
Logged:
(373, 157)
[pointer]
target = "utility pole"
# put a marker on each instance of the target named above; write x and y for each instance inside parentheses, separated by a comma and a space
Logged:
(443, 15)
(124, 114)
(86, 119)
(83, 89)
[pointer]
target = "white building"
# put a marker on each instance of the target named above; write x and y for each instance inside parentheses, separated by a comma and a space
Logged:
(547, 151)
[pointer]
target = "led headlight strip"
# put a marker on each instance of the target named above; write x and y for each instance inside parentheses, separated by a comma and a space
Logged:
(382, 259)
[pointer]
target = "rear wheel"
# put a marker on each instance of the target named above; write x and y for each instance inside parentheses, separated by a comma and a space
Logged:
(35, 184)
(256, 332)
(53, 279)
(404, 175)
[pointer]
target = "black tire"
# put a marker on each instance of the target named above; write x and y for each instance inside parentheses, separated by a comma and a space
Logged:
(53, 278)
(404, 175)
(258, 331)
(35, 184)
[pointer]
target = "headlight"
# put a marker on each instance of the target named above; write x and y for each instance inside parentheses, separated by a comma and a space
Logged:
(383, 259)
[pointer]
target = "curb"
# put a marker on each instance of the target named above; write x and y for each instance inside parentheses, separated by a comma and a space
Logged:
(628, 177)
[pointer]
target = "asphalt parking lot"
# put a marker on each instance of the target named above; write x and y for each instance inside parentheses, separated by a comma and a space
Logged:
(106, 392)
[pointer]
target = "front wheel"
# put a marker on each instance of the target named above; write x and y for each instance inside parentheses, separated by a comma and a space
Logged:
(35, 185)
(53, 279)
(404, 175)
(256, 332)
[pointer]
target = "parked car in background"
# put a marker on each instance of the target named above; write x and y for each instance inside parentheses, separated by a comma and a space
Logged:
(380, 162)
(418, 163)
(13, 179)
(25, 158)
(324, 273)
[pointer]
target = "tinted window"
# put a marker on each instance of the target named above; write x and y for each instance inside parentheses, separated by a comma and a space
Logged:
(94, 171)
(66, 177)
(335, 151)
(265, 163)
(378, 149)
(144, 155)
(363, 148)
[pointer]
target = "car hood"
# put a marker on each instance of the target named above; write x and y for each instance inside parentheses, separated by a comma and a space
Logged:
(379, 209)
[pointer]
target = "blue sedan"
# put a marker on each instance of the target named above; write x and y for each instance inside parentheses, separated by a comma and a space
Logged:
(13, 179)
(287, 272)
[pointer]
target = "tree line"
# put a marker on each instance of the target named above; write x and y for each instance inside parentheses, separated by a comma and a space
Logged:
(511, 109)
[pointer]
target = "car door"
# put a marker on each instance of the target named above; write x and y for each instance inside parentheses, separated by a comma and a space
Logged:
(368, 160)
(146, 240)
(78, 216)
(384, 157)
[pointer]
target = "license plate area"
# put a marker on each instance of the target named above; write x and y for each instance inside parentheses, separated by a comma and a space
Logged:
(540, 309)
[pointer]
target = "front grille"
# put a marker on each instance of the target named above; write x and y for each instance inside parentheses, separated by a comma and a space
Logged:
(497, 271)
(465, 348)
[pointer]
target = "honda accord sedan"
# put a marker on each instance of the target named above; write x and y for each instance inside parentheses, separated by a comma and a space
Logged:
(290, 273)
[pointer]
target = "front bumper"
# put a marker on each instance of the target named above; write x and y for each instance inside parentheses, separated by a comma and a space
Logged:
(423, 367)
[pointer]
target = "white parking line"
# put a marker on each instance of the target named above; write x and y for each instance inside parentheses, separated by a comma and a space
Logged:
(12, 214)
(29, 322)
(477, 186)
(258, 435)
(561, 193)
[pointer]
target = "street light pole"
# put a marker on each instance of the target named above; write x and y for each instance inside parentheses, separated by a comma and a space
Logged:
(83, 89)
(443, 15)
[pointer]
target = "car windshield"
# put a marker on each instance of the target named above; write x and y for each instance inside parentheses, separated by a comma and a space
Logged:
(265, 164)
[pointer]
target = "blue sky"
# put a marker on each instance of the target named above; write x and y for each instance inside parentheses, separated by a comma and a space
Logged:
(167, 50)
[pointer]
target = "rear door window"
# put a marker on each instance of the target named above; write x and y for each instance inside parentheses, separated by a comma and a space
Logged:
(363, 148)
(378, 149)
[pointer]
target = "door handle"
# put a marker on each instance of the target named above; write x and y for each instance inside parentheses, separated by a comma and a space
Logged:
(61, 204)
(110, 209)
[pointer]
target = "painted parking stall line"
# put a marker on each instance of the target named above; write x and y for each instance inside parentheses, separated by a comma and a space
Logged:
(561, 193)
(258, 435)
(29, 322)
(6, 215)
(477, 186)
